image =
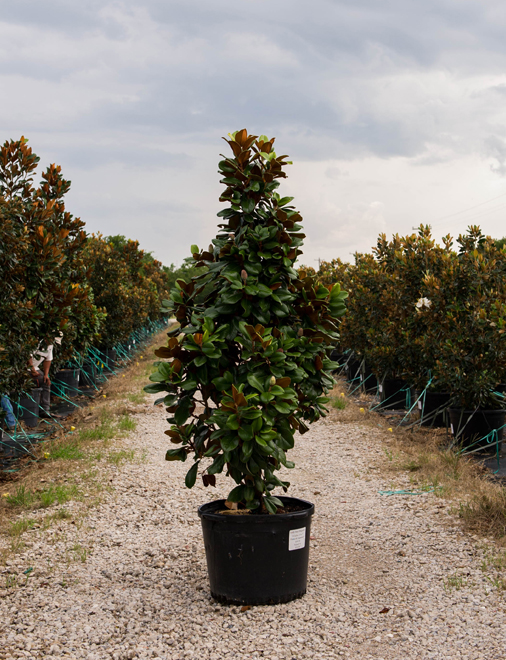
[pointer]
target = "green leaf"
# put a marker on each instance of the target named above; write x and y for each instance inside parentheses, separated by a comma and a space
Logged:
(255, 382)
(183, 411)
(249, 493)
(274, 500)
(175, 455)
(236, 494)
(191, 475)
(247, 204)
(233, 423)
(190, 384)
(229, 443)
(269, 505)
(232, 298)
(283, 407)
(155, 388)
(246, 432)
(200, 360)
(257, 424)
(217, 465)
(194, 249)
(246, 451)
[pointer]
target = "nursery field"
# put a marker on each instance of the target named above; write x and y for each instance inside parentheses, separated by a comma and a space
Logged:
(118, 570)
(101, 547)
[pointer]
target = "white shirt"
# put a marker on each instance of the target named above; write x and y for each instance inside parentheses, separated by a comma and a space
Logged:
(40, 356)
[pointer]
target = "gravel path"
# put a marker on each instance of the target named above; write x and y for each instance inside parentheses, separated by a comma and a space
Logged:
(142, 592)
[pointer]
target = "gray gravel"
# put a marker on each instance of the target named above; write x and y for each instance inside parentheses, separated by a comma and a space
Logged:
(142, 591)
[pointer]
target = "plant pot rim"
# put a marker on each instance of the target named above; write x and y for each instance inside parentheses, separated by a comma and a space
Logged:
(208, 511)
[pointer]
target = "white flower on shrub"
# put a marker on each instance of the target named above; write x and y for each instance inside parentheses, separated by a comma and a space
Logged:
(423, 302)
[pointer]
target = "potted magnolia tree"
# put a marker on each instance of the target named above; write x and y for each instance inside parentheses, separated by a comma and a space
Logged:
(246, 370)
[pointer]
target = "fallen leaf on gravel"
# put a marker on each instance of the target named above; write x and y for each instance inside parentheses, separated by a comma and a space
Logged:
(385, 610)
(245, 608)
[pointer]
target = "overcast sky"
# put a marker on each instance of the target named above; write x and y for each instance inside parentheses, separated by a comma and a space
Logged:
(393, 111)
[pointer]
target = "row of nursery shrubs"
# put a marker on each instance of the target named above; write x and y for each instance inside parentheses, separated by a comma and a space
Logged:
(428, 318)
(96, 293)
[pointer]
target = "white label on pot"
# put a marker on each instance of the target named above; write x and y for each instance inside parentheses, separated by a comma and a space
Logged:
(381, 388)
(451, 426)
(419, 404)
(297, 539)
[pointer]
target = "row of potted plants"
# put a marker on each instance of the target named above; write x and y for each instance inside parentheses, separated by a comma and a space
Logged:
(57, 279)
(431, 317)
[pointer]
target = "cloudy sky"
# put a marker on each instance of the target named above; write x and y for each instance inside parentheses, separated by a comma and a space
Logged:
(393, 111)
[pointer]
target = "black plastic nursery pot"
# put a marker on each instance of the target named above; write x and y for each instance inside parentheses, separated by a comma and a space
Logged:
(368, 380)
(26, 408)
(392, 393)
(434, 408)
(353, 369)
(257, 559)
(66, 382)
(88, 376)
(476, 427)
(108, 357)
(12, 447)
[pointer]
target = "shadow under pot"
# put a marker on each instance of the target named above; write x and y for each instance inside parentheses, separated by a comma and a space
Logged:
(478, 429)
(66, 383)
(257, 559)
(392, 393)
(26, 407)
(433, 407)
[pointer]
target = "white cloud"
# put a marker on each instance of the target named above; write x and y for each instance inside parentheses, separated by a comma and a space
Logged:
(393, 110)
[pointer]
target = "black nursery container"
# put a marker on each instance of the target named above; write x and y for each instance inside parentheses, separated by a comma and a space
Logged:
(393, 394)
(368, 380)
(257, 559)
(66, 382)
(108, 357)
(471, 427)
(434, 408)
(26, 408)
(353, 369)
(88, 376)
(11, 446)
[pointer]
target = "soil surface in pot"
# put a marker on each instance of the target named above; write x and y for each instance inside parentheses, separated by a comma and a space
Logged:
(282, 509)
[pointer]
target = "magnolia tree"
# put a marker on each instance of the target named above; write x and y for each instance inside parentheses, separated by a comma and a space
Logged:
(247, 367)
(41, 267)
(463, 311)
